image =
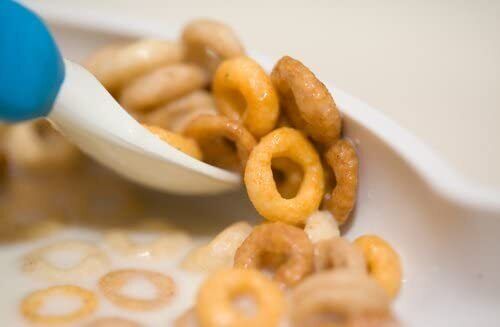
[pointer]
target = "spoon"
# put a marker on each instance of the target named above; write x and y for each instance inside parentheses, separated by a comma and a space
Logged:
(36, 82)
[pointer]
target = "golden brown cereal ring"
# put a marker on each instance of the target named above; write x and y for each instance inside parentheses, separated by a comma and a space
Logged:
(181, 143)
(187, 319)
(244, 92)
(288, 177)
(175, 115)
(112, 283)
(114, 67)
(214, 307)
(306, 101)
(382, 262)
(32, 304)
(343, 160)
(385, 320)
(338, 253)
(93, 261)
(112, 322)
(289, 143)
(161, 86)
(219, 253)
(209, 42)
(340, 295)
(204, 129)
(321, 226)
(283, 247)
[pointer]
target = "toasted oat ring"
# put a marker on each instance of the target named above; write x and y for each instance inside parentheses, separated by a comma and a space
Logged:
(341, 293)
(214, 306)
(306, 101)
(288, 176)
(112, 322)
(382, 262)
(175, 115)
(343, 160)
(111, 284)
(283, 247)
(92, 262)
(289, 143)
(209, 42)
(204, 129)
(243, 91)
(181, 143)
(187, 319)
(31, 305)
(338, 253)
(118, 65)
(161, 86)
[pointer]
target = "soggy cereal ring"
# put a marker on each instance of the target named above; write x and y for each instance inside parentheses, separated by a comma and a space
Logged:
(209, 42)
(338, 253)
(31, 305)
(113, 322)
(306, 101)
(214, 305)
(283, 247)
(382, 262)
(181, 143)
(321, 226)
(93, 261)
(175, 115)
(243, 91)
(339, 295)
(219, 253)
(112, 283)
(161, 86)
(116, 66)
(207, 128)
(187, 319)
(343, 160)
(288, 176)
(288, 143)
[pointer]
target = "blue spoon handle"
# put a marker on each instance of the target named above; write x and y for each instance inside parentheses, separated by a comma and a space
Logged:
(31, 67)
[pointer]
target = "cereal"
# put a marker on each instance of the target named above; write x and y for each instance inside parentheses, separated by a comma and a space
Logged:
(306, 101)
(288, 177)
(112, 322)
(289, 143)
(93, 261)
(219, 253)
(321, 226)
(116, 66)
(31, 305)
(215, 308)
(382, 262)
(336, 296)
(384, 320)
(244, 92)
(338, 253)
(282, 247)
(161, 86)
(204, 129)
(175, 115)
(209, 42)
(187, 319)
(181, 143)
(112, 283)
(343, 160)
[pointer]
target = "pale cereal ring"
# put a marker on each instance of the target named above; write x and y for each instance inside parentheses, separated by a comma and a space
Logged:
(175, 115)
(289, 143)
(343, 160)
(321, 226)
(209, 42)
(382, 262)
(112, 283)
(204, 129)
(112, 322)
(31, 305)
(339, 295)
(306, 101)
(187, 319)
(161, 86)
(114, 67)
(283, 247)
(181, 143)
(93, 261)
(219, 253)
(338, 253)
(243, 91)
(288, 176)
(215, 308)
